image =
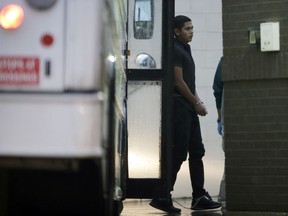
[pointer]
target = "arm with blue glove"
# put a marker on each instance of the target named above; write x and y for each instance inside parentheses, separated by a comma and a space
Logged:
(219, 127)
(218, 90)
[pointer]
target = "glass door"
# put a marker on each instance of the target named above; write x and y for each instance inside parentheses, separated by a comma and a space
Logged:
(149, 97)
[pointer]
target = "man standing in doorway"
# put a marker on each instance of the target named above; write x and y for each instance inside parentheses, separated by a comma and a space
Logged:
(187, 132)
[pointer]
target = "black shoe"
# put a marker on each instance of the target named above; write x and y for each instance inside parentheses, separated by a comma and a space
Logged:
(205, 203)
(164, 205)
(208, 195)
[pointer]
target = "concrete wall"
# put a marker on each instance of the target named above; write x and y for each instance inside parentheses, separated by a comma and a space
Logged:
(206, 48)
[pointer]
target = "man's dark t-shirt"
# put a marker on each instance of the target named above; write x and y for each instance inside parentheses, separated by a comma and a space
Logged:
(184, 59)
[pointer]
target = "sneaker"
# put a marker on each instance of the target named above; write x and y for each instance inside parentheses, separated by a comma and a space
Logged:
(208, 195)
(164, 205)
(205, 203)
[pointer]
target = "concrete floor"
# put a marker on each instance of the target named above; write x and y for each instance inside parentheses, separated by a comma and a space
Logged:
(137, 207)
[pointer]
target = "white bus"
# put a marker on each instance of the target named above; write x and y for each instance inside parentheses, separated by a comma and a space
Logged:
(72, 74)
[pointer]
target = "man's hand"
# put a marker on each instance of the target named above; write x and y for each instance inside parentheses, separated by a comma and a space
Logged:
(200, 109)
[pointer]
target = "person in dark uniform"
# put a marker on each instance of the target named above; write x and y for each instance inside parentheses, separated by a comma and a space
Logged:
(187, 132)
(218, 94)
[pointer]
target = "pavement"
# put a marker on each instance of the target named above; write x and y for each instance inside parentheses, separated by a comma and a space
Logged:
(141, 207)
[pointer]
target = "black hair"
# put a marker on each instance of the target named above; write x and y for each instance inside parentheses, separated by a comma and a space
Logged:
(180, 20)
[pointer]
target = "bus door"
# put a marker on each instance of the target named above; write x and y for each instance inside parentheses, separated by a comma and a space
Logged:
(149, 97)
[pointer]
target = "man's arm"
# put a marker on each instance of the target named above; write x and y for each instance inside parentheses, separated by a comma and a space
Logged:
(185, 91)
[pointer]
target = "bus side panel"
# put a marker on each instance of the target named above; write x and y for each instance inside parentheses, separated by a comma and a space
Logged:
(50, 125)
(83, 45)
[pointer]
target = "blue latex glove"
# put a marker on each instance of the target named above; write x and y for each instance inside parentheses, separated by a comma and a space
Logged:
(219, 127)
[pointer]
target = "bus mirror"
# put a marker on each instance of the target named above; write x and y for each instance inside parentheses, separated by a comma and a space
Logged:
(143, 19)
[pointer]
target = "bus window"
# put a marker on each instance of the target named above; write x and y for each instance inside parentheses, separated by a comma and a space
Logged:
(143, 19)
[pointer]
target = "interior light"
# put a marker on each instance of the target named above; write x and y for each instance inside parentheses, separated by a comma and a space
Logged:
(11, 16)
(145, 61)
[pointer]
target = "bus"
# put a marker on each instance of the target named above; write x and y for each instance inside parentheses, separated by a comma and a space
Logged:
(85, 104)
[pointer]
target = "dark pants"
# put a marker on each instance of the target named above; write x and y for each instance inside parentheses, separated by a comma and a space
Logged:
(188, 139)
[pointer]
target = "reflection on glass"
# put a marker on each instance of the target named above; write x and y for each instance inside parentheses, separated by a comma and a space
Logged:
(143, 19)
(145, 61)
(144, 129)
